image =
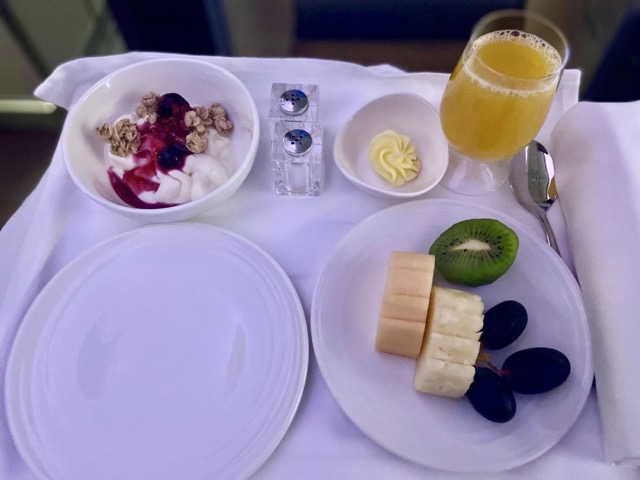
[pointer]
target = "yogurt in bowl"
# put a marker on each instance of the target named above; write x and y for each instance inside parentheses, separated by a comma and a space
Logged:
(166, 169)
(172, 154)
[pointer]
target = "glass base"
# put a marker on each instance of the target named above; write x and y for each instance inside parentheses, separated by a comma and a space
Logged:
(472, 177)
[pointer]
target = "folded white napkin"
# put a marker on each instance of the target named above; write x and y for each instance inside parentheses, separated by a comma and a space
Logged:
(596, 149)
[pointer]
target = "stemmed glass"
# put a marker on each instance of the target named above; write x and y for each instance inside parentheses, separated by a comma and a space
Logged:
(498, 96)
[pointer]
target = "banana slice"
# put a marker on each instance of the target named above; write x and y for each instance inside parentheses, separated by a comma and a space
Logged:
(405, 303)
(451, 343)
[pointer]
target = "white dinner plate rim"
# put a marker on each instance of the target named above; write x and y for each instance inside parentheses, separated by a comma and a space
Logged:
(288, 406)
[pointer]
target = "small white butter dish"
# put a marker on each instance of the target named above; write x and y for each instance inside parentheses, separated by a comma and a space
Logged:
(407, 114)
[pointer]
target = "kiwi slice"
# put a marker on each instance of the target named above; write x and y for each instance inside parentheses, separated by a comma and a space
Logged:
(475, 252)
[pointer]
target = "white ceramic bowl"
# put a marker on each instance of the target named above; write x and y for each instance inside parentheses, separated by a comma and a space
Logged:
(201, 84)
(407, 114)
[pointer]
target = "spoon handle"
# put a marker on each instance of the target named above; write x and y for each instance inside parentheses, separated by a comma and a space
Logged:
(548, 231)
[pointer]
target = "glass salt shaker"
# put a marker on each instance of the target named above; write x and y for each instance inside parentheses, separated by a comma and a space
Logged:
(297, 158)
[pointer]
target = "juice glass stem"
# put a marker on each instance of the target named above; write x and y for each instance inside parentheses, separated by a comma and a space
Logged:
(472, 177)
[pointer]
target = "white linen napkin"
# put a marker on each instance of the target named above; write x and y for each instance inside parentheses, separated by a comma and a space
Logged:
(596, 148)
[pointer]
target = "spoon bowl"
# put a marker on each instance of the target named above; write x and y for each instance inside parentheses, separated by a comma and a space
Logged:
(531, 175)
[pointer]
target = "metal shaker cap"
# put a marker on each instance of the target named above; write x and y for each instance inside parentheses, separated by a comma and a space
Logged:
(297, 142)
(294, 102)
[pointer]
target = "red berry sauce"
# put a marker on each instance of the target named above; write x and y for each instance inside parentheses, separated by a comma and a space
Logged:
(162, 149)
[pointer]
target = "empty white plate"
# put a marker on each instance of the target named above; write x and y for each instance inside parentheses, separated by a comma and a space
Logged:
(407, 114)
(172, 351)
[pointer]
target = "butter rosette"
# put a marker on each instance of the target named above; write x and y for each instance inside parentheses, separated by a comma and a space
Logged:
(394, 157)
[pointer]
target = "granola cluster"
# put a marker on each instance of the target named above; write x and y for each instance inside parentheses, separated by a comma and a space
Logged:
(123, 137)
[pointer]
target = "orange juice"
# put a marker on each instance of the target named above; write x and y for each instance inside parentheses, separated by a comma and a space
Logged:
(499, 94)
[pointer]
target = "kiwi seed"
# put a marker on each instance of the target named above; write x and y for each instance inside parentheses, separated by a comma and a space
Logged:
(475, 252)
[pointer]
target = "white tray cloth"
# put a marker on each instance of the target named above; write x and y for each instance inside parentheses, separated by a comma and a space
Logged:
(57, 222)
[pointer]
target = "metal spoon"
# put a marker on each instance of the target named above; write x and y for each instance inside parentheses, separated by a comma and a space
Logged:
(531, 176)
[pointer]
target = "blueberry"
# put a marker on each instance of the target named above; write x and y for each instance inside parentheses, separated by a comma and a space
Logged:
(167, 102)
(172, 157)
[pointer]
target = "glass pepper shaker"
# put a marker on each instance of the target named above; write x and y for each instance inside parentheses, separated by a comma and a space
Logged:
(297, 159)
(294, 102)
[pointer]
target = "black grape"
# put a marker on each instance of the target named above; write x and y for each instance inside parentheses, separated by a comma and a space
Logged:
(503, 324)
(491, 397)
(536, 370)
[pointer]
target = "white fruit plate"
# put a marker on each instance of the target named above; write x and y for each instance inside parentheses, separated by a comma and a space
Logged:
(376, 389)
